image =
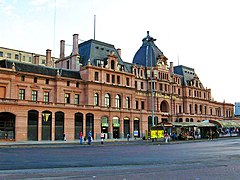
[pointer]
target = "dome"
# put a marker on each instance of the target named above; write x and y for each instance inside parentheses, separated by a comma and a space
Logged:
(148, 52)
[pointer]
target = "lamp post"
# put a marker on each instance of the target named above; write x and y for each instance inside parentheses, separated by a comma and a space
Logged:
(149, 41)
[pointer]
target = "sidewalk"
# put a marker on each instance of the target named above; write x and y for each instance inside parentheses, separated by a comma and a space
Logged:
(132, 141)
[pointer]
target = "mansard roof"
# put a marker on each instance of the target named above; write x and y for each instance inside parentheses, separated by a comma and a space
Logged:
(148, 53)
(38, 69)
(188, 75)
(94, 50)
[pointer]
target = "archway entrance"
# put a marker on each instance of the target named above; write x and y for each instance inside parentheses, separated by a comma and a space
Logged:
(59, 125)
(46, 125)
(126, 127)
(104, 126)
(78, 124)
(116, 126)
(32, 125)
(136, 127)
(90, 124)
(7, 126)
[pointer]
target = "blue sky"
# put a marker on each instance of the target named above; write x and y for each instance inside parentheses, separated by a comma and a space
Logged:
(202, 34)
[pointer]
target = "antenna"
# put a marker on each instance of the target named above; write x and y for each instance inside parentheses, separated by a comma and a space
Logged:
(178, 59)
(94, 27)
(54, 26)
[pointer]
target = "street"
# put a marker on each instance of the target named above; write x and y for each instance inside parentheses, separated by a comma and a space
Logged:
(217, 159)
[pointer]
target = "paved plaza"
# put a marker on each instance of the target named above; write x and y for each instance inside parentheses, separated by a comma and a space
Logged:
(196, 160)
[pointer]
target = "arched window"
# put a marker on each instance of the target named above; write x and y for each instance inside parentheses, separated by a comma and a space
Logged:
(112, 64)
(118, 101)
(96, 100)
(187, 119)
(128, 102)
(107, 100)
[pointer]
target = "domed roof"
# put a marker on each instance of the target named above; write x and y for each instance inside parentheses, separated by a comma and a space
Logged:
(148, 52)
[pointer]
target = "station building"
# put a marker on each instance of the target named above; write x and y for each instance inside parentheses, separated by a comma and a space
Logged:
(94, 89)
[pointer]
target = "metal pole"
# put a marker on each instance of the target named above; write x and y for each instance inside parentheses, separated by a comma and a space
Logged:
(149, 40)
(94, 26)
(152, 92)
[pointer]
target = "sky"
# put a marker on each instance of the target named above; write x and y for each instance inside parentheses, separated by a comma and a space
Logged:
(201, 34)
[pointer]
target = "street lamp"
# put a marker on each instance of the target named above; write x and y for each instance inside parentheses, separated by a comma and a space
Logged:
(149, 41)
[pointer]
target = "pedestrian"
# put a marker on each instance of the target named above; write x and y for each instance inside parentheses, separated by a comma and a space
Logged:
(64, 137)
(128, 137)
(166, 137)
(80, 137)
(89, 137)
(102, 137)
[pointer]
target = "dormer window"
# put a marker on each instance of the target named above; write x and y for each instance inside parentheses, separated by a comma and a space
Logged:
(112, 65)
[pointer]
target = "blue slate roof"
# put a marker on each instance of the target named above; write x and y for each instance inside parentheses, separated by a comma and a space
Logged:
(38, 69)
(94, 50)
(187, 73)
(147, 53)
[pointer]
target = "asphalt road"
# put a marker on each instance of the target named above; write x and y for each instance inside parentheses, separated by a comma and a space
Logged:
(217, 159)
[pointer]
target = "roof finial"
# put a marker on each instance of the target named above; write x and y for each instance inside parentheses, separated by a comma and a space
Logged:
(148, 33)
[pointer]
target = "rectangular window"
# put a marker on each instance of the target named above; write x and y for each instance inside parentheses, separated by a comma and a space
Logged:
(34, 95)
(22, 78)
(118, 80)
(35, 80)
(68, 65)
(136, 104)
(22, 94)
(113, 78)
(16, 56)
(29, 59)
(96, 76)
(47, 81)
(136, 84)
(9, 55)
(46, 97)
(127, 81)
(142, 85)
(77, 84)
(67, 98)
(43, 61)
(161, 87)
(107, 77)
(1, 54)
(23, 58)
(142, 105)
(76, 99)
(68, 83)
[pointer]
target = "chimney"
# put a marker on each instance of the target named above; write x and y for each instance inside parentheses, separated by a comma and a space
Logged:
(75, 44)
(119, 51)
(171, 68)
(62, 49)
(36, 59)
(48, 57)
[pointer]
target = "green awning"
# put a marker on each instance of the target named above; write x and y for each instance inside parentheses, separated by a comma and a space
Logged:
(116, 125)
(104, 124)
(193, 124)
(226, 123)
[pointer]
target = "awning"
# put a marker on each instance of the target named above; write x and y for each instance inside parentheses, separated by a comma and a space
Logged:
(226, 123)
(193, 124)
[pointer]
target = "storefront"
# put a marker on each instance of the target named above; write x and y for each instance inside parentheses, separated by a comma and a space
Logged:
(116, 126)
(104, 127)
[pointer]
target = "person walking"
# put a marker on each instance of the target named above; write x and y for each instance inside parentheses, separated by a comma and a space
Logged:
(80, 137)
(89, 137)
(166, 137)
(128, 137)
